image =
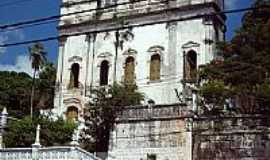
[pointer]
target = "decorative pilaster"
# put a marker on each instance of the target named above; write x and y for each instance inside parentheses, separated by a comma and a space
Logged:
(60, 63)
(88, 53)
(4, 116)
(37, 141)
(60, 70)
(36, 146)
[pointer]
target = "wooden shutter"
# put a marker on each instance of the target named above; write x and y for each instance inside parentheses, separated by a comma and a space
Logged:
(72, 113)
(129, 70)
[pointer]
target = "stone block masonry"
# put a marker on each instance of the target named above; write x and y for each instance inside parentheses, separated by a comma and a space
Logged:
(244, 137)
(157, 132)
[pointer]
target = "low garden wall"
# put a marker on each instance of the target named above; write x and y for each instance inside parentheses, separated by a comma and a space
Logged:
(241, 137)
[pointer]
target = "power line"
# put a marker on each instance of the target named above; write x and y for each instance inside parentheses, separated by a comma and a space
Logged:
(14, 3)
(133, 25)
(65, 15)
(7, 4)
(53, 21)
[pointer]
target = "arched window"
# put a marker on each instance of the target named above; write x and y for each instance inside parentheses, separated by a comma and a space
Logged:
(191, 65)
(155, 67)
(129, 70)
(104, 72)
(74, 76)
(72, 114)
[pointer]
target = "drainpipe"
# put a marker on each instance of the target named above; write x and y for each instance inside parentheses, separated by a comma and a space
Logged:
(116, 54)
(88, 39)
(184, 77)
(93, 60)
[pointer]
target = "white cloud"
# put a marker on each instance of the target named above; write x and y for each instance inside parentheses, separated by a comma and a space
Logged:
(230, 4)
(16, 35)
(3, 39)
(23, 64)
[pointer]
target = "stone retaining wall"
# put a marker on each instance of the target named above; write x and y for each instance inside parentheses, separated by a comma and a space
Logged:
(232, 138)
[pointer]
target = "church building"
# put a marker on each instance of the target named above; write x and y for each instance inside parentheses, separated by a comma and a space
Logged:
(158, 45)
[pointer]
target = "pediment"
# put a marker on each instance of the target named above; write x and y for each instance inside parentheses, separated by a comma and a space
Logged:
(75, 59)
(190, 44)
(156, 48)
(104, 55)
(130, 52)
(72, 100)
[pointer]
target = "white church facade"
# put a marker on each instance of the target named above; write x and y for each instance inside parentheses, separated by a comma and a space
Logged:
(158, 45)
(154, 44)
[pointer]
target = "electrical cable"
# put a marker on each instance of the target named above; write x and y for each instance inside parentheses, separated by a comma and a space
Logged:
(129, 26)
(65, 15)
(14, 3)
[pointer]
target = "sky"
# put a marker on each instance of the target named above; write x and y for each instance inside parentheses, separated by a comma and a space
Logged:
(16, 58)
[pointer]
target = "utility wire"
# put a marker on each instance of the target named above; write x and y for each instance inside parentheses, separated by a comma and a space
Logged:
(133, 25)
(57, 20)
(53, 20)
(64, 15)
(14, 3)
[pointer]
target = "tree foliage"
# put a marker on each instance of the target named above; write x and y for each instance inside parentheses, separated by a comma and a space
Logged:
(45, 87)
(21, 133)
(38, 58)
(100, 115)
(246, 65)
(15, 91)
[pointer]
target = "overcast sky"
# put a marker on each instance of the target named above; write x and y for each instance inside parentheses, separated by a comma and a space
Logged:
(16, 58)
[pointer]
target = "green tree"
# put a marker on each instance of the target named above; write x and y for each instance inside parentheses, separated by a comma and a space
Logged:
(37, 55)
(45, 86)
(246, 65)
(15, 91)
(100, 115)
(21, 133)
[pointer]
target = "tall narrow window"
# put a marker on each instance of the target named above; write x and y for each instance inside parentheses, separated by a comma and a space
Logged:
(104, 72)
(129, 70)
(155, 67)
(72, 113)
(191, 65)
(74, 76)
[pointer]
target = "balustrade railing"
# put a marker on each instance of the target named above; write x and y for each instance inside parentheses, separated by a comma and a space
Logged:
(50, 153)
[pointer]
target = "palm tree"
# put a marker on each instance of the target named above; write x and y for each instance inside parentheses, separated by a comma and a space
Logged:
(120, 38)
(37, 56)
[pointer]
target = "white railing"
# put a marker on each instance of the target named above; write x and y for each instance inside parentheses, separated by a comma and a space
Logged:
(50, 153)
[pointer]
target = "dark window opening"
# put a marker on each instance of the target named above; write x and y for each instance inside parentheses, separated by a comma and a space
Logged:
(155, 67)
(129, 70)
(191, 65)
(74, 76)
(104, 72)
(151, 156)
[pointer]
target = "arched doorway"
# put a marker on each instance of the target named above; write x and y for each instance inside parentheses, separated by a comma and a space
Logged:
(155, 67)
(129, 70)
(72, 113)
(104, 73)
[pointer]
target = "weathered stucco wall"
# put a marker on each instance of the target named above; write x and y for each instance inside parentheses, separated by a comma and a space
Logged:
(237, 138)
(97, 43)
(159, 131)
